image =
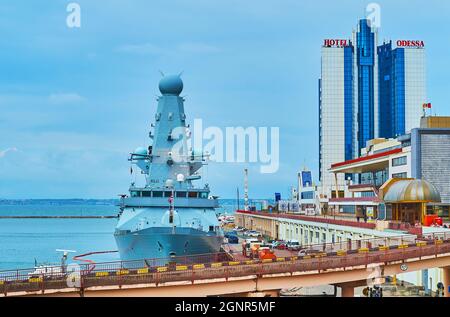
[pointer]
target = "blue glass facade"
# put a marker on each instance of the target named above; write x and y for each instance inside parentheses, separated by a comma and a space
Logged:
(399, 91)
(386, 90)
(391, 68)
(306, 179)
(366, 51)
(348, 102)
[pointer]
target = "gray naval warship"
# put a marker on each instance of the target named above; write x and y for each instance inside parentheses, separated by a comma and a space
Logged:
(168, 217)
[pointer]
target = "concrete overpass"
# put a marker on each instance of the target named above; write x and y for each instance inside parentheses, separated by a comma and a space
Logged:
(255, 278)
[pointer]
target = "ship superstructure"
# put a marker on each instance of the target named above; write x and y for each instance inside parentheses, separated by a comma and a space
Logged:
(168, 216)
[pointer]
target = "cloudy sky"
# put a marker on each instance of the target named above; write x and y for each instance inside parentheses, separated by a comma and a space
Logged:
(74, 102)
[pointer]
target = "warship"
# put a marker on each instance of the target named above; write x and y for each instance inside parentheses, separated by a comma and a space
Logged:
(168, 217)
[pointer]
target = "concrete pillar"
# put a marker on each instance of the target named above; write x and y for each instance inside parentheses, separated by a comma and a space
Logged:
(446, 281)
(336, 184)
(425, 280)
(348, 291)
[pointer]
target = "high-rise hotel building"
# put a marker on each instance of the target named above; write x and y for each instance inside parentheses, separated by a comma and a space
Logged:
(366, 91)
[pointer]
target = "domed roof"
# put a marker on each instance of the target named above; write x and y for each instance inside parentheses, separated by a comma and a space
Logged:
(412, 190)
(171, 85)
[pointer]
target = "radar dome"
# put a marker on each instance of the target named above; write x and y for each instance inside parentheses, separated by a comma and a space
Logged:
(169, 183)
(171, 85)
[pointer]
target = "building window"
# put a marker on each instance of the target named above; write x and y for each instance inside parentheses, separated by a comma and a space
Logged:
(341, 194)
(181, 194)
(400, 175)
(308, 195)
(399, 161)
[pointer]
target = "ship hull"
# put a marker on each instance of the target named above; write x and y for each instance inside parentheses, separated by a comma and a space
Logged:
(159, 245)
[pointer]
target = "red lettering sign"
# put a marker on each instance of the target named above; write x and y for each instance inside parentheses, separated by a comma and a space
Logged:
(335, 43)
(405, 43)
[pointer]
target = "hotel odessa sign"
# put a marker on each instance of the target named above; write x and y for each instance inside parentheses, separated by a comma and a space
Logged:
(405, 43)
(335, 42)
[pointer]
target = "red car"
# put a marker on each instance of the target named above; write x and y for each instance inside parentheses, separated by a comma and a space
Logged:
(281, 245)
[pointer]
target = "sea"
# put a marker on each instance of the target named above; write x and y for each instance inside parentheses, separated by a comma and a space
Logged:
(25, 242)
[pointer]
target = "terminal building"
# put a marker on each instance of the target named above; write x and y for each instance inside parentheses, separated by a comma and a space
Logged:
(366, 92)
(421, 159)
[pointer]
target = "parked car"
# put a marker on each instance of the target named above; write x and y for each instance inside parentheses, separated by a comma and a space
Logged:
(302, 252)
(239, 229)
(281, 245)
(252, 233)
(232, 232)
(248, 244)
(293, 245)
(232, 238)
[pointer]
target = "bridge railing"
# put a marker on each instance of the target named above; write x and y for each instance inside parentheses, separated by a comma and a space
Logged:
(190, 268)
(37, 274)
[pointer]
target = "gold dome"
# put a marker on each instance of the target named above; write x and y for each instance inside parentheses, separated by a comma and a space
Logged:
(412, 190)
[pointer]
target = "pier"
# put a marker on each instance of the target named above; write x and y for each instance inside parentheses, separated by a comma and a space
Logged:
(345, 265)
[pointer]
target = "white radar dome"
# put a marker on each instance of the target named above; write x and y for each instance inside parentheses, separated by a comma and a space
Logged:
(169, 183)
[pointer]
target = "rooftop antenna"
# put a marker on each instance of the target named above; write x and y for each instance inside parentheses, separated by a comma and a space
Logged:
(246, 189)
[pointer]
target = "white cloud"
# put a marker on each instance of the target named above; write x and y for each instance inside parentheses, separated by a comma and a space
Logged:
(151, 49)
(62, 98)
(4, 152)
(198, 48)
(141, 49)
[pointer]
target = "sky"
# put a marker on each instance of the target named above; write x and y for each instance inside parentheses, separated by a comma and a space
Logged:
(74, 102)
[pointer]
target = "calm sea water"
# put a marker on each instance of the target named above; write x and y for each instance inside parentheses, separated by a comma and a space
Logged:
(24, 240)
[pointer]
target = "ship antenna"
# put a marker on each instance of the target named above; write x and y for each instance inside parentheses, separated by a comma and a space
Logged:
(162, 74)
(182, 72)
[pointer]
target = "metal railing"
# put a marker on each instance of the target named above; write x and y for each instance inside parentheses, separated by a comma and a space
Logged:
(219, 265)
